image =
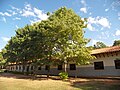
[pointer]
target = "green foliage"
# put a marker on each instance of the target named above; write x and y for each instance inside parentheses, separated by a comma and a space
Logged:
(67, 28)
(63, 75)
(2, 70)
(2, 60)
(116, 43)
(99, 45)
(60, 37)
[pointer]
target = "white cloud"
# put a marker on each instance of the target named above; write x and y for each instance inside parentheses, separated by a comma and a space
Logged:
(103, 22)
(106, 9)
(117, 33)
(14, 8)
(34, 21)
(40, 14)
(35, 14)
(90, 27)
(27, 13)
(12, 12)
(16, 18)
(5, 14)
(99, 21)
(84, 10)
(91, 20)
(1, 13)
(5, 39)
(28, 7)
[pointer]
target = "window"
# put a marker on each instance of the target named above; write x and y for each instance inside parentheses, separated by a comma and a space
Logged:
(117, 64)
(39, 68)
(16, 67)
(47, 67)
(23, 67)
(98, 65)
(19, 67)
(72, 67)
(31, 67)
(59, 67)
(27, 68)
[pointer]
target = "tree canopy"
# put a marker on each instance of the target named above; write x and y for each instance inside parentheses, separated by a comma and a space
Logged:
(60, 38)
(69, 35)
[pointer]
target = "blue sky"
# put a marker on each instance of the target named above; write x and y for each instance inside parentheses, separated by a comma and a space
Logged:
(103, 17)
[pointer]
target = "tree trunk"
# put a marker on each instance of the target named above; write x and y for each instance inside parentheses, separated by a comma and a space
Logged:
(48, 74)
(23, 67)
(34, 71)
(65, 66)
(24, 63)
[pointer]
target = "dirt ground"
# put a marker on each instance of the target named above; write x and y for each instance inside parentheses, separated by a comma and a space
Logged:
(106, 83)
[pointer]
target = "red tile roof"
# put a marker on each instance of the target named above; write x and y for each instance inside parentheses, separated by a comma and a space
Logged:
(106, 50)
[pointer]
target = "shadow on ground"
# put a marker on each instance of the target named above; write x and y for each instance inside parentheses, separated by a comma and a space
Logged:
(20, 76)
(97, 84)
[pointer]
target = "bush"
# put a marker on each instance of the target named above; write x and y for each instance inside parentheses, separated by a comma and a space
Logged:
(2, 70)
(5, 70)
(63, 75)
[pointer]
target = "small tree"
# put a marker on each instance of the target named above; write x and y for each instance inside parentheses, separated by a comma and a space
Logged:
(116, 43)
(99, 45)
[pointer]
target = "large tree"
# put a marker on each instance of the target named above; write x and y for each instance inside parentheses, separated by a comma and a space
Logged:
(68, 35)
(60, 37)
